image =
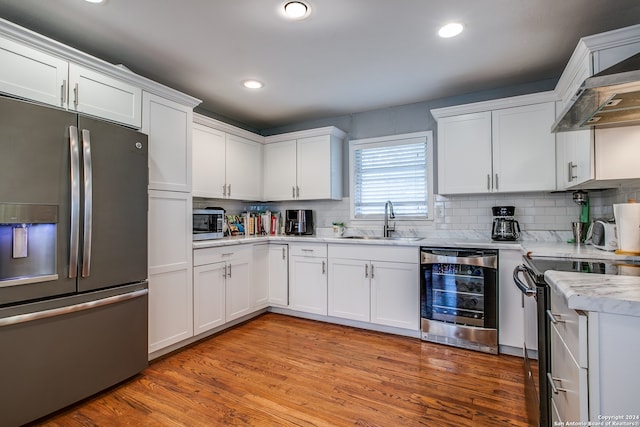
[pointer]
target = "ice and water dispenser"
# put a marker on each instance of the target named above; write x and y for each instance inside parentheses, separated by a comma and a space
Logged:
(27, 243)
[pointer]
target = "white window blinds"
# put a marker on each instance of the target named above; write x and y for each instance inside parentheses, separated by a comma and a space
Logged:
(396, 171)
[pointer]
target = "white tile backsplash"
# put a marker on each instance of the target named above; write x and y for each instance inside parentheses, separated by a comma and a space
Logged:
(542, 216)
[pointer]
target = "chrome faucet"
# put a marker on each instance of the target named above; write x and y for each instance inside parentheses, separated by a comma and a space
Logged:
(388, 213)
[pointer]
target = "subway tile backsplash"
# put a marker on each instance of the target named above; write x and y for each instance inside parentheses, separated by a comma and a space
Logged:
(542, 216)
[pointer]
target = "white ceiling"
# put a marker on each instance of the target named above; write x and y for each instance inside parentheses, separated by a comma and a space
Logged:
(348, 56)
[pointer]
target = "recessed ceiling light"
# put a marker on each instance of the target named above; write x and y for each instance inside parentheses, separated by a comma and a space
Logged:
(450, 30)
(296, 9)
(94, 1)
(252, 84)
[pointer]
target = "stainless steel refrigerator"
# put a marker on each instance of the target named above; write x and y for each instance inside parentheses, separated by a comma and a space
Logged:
(73, 258)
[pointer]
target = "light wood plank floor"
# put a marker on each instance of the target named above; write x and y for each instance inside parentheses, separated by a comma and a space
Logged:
(282, 371)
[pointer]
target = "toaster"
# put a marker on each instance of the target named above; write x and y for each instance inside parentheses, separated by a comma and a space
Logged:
(602, 235)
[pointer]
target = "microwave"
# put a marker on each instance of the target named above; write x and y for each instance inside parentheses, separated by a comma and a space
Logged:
(208, 224)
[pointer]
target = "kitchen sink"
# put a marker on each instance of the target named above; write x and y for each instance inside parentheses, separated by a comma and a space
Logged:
(406, 239)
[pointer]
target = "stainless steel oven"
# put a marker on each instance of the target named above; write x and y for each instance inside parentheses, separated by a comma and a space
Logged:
(459, 297)
(529, 278)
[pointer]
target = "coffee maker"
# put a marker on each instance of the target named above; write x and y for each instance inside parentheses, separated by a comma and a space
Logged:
(505, 227)
(299, 222)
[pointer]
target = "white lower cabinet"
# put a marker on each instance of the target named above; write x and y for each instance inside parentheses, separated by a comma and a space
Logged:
(308, 277)
(259, 281)
(375, 284)
(208, 296)
(511, 322)
(222, 286)
(278, 276)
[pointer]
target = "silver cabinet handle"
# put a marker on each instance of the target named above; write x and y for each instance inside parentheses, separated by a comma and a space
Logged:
(571, 168)
(224, 272)
(297, 192)
(324, 267)
(88, 203)
(306, 250)
(489, 182)
(553, 318)
(74, 235)
(63, 94)
(29, 317)
(293, 192)
(228, 190)
(284, 253)
(75, 96)
(366, 270)
(552, 380)
(496, 186)
(372, 274)
(224, 190)
(229, 271)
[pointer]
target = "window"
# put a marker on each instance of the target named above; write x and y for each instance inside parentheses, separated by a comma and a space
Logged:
(396, 168)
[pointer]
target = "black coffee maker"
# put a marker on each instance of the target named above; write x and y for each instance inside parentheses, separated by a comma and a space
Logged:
(299, 222)
(505, 227)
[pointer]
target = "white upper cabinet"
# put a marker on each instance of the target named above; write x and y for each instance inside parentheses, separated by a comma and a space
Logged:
(102, 96)
(497, 146)
(225, 165)
(38, 76)
(601, 158)
(464, 153)
(304, 165)
(31, 74)
(524, 148)
(208, 162)
(168, 125)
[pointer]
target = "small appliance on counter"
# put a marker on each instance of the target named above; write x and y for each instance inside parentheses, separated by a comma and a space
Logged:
(208, 223)
(602, 235)
(299, 222)
(505, 227)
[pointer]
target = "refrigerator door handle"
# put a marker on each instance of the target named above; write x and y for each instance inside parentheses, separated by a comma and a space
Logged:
(88, 203)
(38, 315)
(74, 235)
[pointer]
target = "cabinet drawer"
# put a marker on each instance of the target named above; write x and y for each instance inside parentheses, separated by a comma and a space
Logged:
(571, 326)
(211, 255)
(570, 380)
(375, 253)
(308, 249)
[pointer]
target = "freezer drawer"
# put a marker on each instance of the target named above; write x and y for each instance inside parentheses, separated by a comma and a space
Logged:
(70, 350)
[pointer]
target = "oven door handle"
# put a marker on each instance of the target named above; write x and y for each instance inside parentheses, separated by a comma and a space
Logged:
(489, 261)
(527, 290)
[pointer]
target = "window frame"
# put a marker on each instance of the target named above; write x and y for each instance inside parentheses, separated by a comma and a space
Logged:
(390, 140)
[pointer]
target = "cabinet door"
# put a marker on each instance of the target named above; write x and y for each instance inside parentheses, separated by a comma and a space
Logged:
(349, 289)
(208, 297)
(243, 168)
(280, 170)
(208, 162)
(617, 153)
(395, 294)
(30, 74)
(168, 125)
(510, 302)
(308, 284)
(314, 168)
(524, 148)
(102, 96)
(238, 292)
(464, 154)
(575, 160)
(170, 269)
(260, 276)
(279, 275)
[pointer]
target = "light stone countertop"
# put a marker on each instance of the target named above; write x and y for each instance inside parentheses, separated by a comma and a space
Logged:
(588, 292)
(598, 292)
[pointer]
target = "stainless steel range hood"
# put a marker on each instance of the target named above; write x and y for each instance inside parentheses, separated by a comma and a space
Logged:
(608, 99)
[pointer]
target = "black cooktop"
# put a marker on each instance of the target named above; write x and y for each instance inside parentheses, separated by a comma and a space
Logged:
(623, 268)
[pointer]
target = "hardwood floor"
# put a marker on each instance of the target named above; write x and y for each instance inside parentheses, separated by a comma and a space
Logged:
(282, 371)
